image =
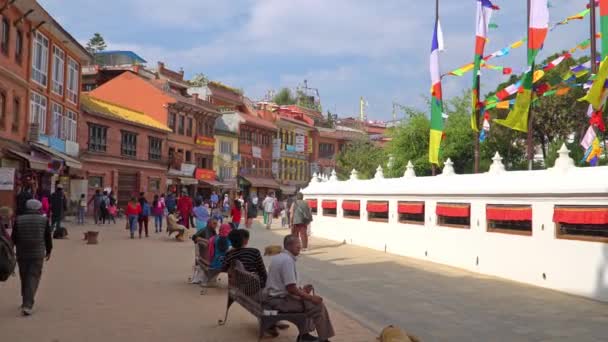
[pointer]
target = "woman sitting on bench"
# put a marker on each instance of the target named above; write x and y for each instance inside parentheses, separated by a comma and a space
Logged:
(218, 247)
(173, 226)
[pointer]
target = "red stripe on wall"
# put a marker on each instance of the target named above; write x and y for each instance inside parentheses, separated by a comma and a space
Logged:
(351, 205)
(454, 210)
(329, 204)
(411, 208)
(377, 207)
(581, 215)
(499, 213)
(312, 204)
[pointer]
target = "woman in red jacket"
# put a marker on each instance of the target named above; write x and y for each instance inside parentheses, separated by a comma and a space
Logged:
(184, 207)
(133, 210)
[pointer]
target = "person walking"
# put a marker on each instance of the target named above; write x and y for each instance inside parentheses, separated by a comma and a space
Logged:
(82, 208)
(59, 205)
(33, 242)
(251, 212)
(201, 216)
(46, 204)
(184, 207)
(103, 207)
(112, 209)
(26, 194)
(144, 215)
(96, 200)
(268, 205)
(214, 200)
(301, 216)
(226, 204)
(132, 211)
(158, 211)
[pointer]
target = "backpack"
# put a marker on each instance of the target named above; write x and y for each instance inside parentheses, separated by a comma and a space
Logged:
(103, 203)
(8, 260)
(145, 209)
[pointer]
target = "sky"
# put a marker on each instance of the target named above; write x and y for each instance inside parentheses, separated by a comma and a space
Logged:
(378, 49)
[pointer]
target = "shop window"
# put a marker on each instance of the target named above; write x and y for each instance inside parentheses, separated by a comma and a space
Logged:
(587, 223)
(352, 209)
(377, 211)
(95, 182)
(454, 215)
(411, 212)
(509, 219)
(329, 208)
(312, 203)
(154, 185)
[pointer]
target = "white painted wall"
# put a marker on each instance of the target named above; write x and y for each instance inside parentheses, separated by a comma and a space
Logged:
(572, 266)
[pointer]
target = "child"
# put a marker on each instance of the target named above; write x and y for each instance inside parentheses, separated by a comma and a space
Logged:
(82, 209)
(235, 212)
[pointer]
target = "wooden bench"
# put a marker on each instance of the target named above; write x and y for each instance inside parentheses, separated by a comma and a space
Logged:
(203, 262)
(245, 288)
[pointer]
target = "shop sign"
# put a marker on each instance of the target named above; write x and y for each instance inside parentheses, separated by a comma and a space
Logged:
(7, 178)
(204, 174)
(205, 141)
(256, 152)
(57, 144)
(300, 143)
(290, 148)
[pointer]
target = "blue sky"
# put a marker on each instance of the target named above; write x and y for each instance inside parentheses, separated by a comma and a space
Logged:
(347, 48)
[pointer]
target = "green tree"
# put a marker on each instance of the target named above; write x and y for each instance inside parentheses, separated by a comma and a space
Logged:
(362, 156)
(284, 97)
(410, 142)
(198, 80)
(96, 44)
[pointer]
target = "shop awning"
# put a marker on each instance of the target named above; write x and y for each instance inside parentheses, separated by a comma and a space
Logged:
(377, 207)
(410, 207)
(312, 203)
(188, 181)
(69, 161)
(213, 183)
(36, 163)
(581, 215)
(288, 189)
(329, 204)
(453, 210)
(509, 213)
(260, 182)
(351, 205)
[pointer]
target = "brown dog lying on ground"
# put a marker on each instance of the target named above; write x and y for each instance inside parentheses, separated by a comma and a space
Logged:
(272, 250)
(393, 334)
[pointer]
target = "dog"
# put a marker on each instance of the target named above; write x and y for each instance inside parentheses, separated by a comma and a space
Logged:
(391, 333)
(272, 250)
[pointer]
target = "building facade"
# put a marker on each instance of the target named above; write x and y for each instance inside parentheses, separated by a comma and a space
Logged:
(226, 162)
(122, 150)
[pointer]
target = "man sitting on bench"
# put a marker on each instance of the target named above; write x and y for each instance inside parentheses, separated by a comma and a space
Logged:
(283, 294)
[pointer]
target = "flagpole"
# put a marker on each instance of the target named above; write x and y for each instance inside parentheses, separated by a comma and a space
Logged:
(433, 168)
(530, 139)
(476, 134)
(592, 29)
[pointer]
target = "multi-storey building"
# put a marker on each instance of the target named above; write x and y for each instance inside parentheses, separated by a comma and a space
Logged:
(109, 64)
(330, 141)
(226, 163)
(39, 99)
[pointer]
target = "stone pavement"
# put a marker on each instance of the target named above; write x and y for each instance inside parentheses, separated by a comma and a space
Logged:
(132, 290)
(439, 303)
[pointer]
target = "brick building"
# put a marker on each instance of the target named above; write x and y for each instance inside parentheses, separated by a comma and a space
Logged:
(330, 141)
(123, 149)
(110, 64)
(39, 99)
(191, 120)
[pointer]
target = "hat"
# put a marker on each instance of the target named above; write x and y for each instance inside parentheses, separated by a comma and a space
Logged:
(33, 204)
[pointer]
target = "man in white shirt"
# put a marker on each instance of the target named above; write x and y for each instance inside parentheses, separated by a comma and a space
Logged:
(283, 294)
(268, 205)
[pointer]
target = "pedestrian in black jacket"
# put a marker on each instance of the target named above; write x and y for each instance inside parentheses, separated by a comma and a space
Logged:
(59, 205)
(33, 241)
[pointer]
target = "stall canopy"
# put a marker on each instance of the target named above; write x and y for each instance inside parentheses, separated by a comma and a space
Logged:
(509, 213)
(288, 189)
(260, 182)
(36, 163)
(351, 205)
(377, 207)
(411, 207)
(329, 204)
(453, 210)
(213, 183)
(69, 161)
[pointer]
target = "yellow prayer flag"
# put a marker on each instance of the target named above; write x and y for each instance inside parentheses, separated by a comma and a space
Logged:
(517, 44)
(538, 74)
(594, 96)
(434, 145)
(518, 117)
(503, 105)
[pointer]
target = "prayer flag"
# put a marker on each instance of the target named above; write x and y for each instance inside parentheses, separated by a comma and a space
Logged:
(588, 138)
(484, 14)
(436, 133)
(594, 96)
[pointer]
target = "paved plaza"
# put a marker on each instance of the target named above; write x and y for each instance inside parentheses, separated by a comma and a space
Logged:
(123, 290)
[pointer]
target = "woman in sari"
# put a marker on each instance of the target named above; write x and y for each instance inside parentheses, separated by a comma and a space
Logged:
(218, 246)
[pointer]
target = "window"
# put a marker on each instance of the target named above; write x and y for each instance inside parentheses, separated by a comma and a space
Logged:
(455, 215)
(73, 80)
(2, 109)
(97, 138)
(38, 111)
(577, 222)
(326, 150)
(411, 212)
(225, 172)
(19, 46)
(40, 51)
(509, 219)
(352, 209)
(95, 182)
(154, 148)
(377, 211)
(200, 127)
(4, 39)
(172, 121)
(182, 123)
(69, 125)
(312, 203)
(16, 111)
(153, 185)
(57, 121)
(58, 70)
(188, 156)
(329, 208)
(129, 144)
(226, 147)
(189, 129)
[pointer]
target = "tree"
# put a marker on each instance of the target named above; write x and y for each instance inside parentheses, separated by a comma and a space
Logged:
(96, 44)
(284, 97)
(410, 142)
(198, 80)
(362, 156)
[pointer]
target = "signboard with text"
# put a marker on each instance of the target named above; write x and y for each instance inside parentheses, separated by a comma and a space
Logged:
(205, 141)
(256, 152)
(7, 178)
(204, 174)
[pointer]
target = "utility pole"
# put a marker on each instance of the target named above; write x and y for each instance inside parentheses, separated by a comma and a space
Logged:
(433, 167)
(530, 139)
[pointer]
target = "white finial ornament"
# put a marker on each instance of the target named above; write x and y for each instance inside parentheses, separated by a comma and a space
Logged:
(354, 175)
(497, 166)
(315, 178)
(334, 176)
(448, 169)
(379, 173)
(409, 170)
(563, 162)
